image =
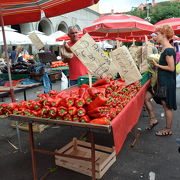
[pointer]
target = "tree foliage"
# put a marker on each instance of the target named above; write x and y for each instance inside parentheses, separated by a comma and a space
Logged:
(160, 11)
(165, 10)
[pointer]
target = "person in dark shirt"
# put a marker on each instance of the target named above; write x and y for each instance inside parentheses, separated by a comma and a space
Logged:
(165, 93)
(13, 54)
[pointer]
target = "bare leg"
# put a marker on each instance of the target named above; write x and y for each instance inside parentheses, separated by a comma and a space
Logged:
(149, 108)
(169, 115)
(169, 118)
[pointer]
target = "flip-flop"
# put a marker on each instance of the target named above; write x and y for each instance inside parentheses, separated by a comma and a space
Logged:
(151, 126)
(163, 132)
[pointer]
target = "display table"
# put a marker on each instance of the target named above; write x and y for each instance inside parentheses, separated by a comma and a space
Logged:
(121, 126)
(14, 76)
(128, 118)
(5, 91)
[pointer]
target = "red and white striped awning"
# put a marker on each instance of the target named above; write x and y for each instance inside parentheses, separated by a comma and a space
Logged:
(174, 22)
(80, 34)
(120, 25)
(22, 11)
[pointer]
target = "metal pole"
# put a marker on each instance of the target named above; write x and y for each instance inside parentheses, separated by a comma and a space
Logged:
(147, 9)
(19, 137)
(9, 74)
(33, 156)
(7, 58)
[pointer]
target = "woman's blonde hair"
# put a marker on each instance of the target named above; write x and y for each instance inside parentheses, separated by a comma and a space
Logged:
(167, 31)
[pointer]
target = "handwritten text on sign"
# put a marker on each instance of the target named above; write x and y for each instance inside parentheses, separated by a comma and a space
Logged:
(93, 57)
(126, 65)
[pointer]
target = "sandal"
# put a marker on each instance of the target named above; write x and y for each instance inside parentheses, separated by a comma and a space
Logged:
(164, 132)
(151, 126)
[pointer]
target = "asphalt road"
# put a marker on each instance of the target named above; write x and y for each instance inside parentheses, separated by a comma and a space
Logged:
(150, 154)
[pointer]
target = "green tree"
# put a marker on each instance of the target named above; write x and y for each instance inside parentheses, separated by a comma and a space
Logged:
(160, 11)
(165, 10)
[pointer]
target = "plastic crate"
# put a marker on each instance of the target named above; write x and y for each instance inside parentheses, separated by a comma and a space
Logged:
(85, 80)
(145, 78)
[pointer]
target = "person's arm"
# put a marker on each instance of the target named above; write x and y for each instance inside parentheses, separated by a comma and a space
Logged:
(170, 62)
(66, 53)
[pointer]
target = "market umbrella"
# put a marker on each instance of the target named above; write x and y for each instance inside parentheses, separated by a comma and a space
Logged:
(176, 38)
(105, 45)
(65, 37)
(174, 22)
(24, 11)
(21, 11)
(134, 38)
(14, 38)
(117, 25)
(56, 35)
(6, 28)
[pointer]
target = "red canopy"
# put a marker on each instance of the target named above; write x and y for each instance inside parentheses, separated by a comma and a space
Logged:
(176, 38)
(80, 34)
(22, 11)
(118, 25)
(174, 22)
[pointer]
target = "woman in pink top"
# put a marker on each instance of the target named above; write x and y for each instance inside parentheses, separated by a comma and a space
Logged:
(76, 67)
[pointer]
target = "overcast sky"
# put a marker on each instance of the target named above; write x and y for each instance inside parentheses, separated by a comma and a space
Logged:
(105, 6)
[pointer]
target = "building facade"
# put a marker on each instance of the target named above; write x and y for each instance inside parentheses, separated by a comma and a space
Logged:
(80, 18)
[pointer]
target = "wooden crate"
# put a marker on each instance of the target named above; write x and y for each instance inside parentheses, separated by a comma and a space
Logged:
(104, 158)
(37, 128)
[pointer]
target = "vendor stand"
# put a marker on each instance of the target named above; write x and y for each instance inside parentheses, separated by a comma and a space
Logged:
(5, 91)
(121, 125)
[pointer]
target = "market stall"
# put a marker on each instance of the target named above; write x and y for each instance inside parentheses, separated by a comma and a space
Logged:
(28, 12)
(121, 125)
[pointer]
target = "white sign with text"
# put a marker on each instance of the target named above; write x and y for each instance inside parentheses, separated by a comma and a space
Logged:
(36, 40)
(93, 57)
(125, 65)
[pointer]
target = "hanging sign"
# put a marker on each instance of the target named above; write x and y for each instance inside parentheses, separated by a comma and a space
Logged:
(93, 57)
(36, 41)
(125, 65)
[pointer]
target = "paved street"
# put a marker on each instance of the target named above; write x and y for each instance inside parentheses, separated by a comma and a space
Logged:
(151, 153)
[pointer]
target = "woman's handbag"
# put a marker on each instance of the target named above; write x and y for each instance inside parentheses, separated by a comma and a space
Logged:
(66, 53)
